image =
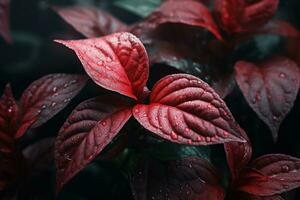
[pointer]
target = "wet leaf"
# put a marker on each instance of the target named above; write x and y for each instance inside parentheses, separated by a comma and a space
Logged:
(45, 97)
(185, 110)
(117, 62)
(90, 22)
(89, 128)
(270, 88)
(188, 12)
(238, 16)
(282, 174)
(190, 178)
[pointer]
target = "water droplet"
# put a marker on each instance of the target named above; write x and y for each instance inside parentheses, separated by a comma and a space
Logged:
(73, 81)
(54, 89)
(186, 129)
(9, 110)
(285, 168)
(199, 139)
(190, 142)
(108, 59)
(66, 100)
(174, 136)
(275, 118)
(100, 62)
(136, 110)
(44, 106)
(282, 75)
(53, 104)
(225, 134)
(66, 85)
(103, 123)
(107, 67)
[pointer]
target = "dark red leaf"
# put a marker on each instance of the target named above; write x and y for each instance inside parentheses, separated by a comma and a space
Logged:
(117, 62)
(39, 156)
(90, 127)
(237, 16)
(270, 88)
(4, 20)
(45, 97)
(189, 179)
(91, 22)
(186, 110)
(246, 196)
(187, 12)
(282, 172)
(8, 116)
(238, 155)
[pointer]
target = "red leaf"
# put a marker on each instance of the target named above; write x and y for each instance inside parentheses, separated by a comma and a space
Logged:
(45, 97)
(282, 172)
(270, 88)
(117, 62)
(4, 20)
(186, 110)
(238, 155)
(8, 116)
(90, 127)
(236, 16)
(246, 196)
(187, 12)
(90, 21)
(189, 179)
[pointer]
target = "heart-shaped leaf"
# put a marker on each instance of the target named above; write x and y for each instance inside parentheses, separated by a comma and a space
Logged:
(189, 179)
(238, 155)
(282, 172)
(270, 88)
(89, 128)
(8, 116)
(117, 62)
(237, 16)
(186, 110)
(45, 97)
(187, 12)
(90, 22)
(4, 20)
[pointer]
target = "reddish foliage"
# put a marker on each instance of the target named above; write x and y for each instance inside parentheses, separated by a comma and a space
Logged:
(270, 88)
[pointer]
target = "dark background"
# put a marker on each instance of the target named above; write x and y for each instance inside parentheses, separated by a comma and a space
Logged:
(33, 54)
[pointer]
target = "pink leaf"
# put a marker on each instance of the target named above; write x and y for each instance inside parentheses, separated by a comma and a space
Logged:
(186, 110)
(189, 179)
(4, 20)
(90, 22)
(117, 62)
(8, 117)
(90, 127)
(237, 16)
(270, 88)
(45, 97)
(187, 12)
(282, 172)
(238, 155)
